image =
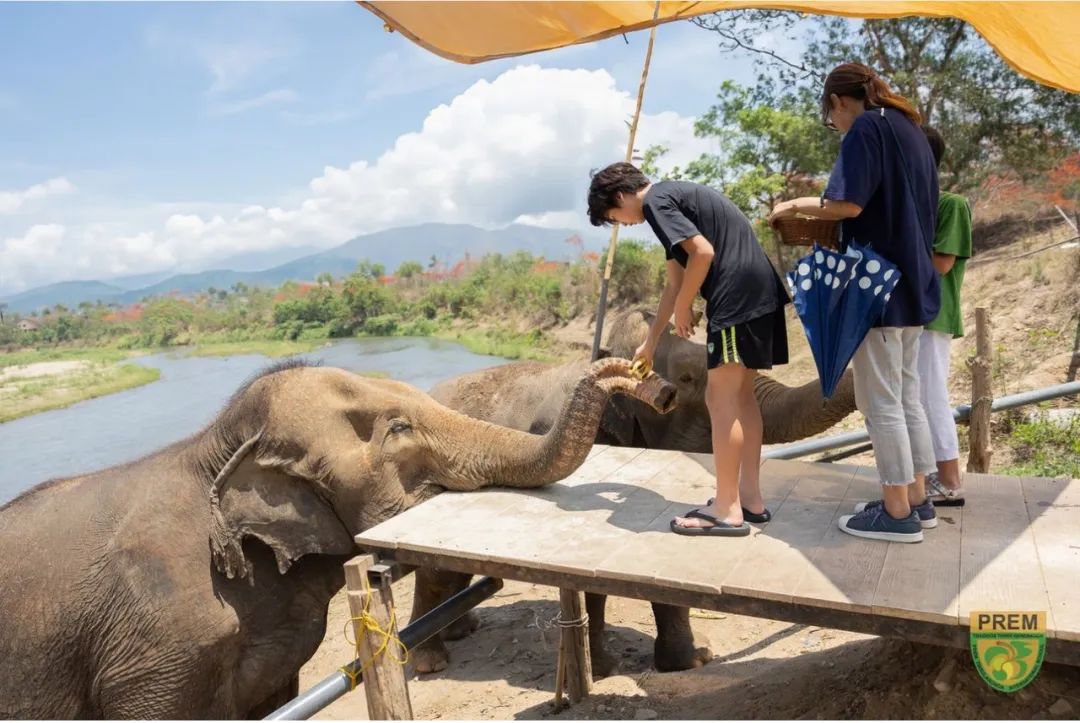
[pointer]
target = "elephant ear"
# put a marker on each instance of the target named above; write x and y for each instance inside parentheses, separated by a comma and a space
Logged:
(260, 498)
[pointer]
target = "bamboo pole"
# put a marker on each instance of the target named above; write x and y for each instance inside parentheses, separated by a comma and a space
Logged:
(601, 307)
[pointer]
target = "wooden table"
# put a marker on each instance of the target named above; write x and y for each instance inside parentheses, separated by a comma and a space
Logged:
(604, 529)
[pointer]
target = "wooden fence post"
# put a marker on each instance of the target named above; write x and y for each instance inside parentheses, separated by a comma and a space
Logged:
(982, 395)
(385, 687)
(574, 646)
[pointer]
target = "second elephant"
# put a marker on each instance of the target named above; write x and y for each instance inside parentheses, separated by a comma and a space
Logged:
(529, 395)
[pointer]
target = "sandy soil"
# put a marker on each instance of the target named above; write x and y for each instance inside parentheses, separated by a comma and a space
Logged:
(762, 669)
(42, 369)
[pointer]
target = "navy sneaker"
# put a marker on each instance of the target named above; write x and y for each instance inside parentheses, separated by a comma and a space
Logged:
(925, 511)
(876, 524)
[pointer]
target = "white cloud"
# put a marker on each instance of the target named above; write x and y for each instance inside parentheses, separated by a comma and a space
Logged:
(281, 95)
(13, 201)
(233, 63)
(516, 148)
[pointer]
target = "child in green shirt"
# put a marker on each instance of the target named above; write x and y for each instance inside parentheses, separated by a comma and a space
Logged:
(952, 249)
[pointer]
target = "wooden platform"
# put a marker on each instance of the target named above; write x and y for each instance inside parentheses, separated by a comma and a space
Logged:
(605, 529)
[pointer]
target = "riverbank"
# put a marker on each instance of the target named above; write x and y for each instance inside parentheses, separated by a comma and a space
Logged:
(40, 386)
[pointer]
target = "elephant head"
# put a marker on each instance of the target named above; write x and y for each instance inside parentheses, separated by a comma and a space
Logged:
(304, 458)
(788, 413)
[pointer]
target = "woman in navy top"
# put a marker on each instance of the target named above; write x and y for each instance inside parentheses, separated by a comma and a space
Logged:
(884, 187)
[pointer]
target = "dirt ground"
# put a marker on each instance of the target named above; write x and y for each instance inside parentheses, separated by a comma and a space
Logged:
(762, 669)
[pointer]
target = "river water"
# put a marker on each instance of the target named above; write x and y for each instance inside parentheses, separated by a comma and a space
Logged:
(121, 427)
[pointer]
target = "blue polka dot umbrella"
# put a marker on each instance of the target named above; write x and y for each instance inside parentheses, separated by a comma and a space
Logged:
(839, 296)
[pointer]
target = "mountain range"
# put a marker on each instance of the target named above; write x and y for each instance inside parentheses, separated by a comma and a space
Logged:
(447, 242)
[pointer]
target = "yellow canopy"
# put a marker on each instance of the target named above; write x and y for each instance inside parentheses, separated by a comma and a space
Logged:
(1038, 39)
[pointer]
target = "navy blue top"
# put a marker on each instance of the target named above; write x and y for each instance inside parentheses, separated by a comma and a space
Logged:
(886, 167)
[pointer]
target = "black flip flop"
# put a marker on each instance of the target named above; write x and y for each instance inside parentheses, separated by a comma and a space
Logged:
(718, 528)
(757, 519)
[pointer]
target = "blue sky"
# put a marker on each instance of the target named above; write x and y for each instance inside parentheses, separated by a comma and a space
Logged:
(133, 136)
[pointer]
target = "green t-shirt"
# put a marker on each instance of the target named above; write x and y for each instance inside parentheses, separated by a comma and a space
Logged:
(953, 237)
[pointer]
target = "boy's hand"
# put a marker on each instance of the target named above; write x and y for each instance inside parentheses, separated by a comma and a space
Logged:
(684, 321)
(644, 354)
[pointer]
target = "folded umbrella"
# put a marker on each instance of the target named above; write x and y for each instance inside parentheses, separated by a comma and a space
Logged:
(839, 297)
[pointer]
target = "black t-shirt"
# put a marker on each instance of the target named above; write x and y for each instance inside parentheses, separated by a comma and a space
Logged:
(741, 284)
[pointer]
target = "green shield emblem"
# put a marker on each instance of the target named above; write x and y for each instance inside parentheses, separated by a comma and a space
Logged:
(1008, 647)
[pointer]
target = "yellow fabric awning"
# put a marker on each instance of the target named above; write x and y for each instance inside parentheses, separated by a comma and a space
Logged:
(1039, 39)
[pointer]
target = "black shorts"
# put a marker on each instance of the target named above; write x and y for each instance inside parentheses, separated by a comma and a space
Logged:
(756, 344)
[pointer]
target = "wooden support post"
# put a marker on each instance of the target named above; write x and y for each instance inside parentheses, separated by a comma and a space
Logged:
(982, 395)
(385, 687)
(576, 663)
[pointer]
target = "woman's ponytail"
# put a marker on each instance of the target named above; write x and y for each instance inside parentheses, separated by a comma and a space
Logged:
(860, 82)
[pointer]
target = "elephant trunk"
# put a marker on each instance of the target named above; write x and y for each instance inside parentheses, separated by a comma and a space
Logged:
(506, 457)
(793, 413)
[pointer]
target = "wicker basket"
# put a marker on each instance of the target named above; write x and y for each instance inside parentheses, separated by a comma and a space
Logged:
(807, 231)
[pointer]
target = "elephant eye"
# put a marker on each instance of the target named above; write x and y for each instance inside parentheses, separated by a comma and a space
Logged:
(398, 426)
(686, 378)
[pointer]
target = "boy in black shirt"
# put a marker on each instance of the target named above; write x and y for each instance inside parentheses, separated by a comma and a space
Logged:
(710, 248)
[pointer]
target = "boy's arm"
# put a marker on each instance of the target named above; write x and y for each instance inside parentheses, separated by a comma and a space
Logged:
(701, 255)
(667, 303)
(944, 262)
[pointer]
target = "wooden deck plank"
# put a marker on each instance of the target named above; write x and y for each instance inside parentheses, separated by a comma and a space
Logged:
(999, 566)
(1053, 507)
(922, 582)
(659, 555)
(612, 512)
(843, 571)
(777, 559)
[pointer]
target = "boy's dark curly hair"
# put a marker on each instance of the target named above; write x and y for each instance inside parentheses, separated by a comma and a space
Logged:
(937, 143)
(606, 186)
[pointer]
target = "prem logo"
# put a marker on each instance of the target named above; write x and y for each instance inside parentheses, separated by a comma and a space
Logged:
(1008, 647)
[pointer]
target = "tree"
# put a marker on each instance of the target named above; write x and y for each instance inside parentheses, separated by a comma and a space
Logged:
(325, 279)
(409, 269)
(993, 119)
(365, 297)
(2, 307)
(369, 270)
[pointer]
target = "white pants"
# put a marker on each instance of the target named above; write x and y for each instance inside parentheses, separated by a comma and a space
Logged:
(934, 354)
(886, 369)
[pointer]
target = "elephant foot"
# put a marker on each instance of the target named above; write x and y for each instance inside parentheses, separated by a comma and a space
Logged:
(431, 657)
(603, 663)
(462, 627)
(672, 653)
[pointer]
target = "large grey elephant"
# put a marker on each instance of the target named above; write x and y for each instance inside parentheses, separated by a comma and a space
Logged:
(529, 395)
(194, 583)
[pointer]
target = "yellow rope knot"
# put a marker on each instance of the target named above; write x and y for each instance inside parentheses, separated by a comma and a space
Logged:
(365, 622)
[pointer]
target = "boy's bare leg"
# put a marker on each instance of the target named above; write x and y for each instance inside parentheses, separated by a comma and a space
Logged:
(722, 397)
(753, 432)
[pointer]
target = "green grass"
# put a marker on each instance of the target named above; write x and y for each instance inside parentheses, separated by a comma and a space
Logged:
(22, 397)
(266, 347)
(1045, 448)
(506, 344)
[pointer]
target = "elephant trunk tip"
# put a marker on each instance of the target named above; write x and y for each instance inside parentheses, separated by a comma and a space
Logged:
(619, 375)
(658, 393)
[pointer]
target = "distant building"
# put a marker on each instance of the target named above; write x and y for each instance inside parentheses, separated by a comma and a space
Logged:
(27, 325)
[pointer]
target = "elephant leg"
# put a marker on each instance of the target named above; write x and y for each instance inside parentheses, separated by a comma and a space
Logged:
(278, 698)
(676, 647)
(432, 588)
(603, 664)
